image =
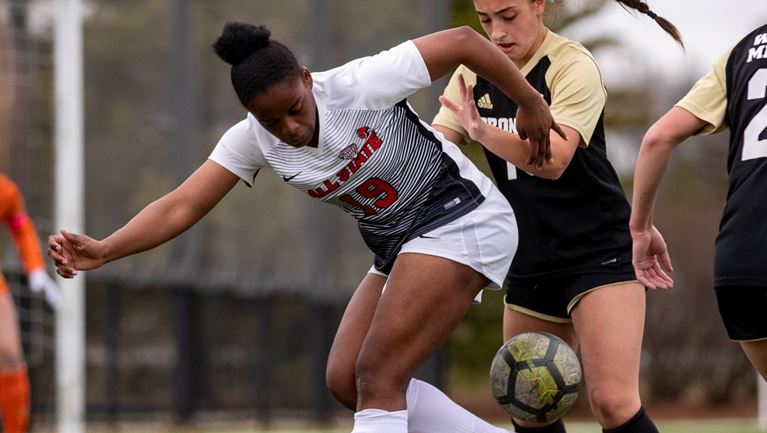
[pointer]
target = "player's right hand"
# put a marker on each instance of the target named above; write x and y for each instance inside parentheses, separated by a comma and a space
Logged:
(71, 253)
(651, 259)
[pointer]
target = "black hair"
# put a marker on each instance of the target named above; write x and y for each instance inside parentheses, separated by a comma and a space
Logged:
(662, 22)
(258, 62)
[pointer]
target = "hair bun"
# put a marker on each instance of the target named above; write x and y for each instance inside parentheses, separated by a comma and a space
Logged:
(239, 40)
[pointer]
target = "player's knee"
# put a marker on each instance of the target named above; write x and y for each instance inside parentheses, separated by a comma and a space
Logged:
(374, 378)
(368, 373)
(612, 405)
(341, 383)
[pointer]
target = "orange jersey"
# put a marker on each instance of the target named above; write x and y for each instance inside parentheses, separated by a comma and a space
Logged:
(21, 227)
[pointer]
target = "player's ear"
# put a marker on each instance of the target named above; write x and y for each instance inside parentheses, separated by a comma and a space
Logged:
(306, 76)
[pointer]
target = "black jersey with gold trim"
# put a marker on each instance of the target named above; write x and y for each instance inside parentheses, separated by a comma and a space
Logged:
(741, 247)
(577, 223)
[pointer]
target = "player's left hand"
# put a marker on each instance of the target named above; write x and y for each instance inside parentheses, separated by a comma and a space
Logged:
(466, 113)
(40, 281)
(651, 259)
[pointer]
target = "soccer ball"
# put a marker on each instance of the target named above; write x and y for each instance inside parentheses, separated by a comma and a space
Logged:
(536, 377)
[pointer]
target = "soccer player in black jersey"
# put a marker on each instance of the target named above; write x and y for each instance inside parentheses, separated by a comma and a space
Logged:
(437, 227)
(572, 273)
(733, 95)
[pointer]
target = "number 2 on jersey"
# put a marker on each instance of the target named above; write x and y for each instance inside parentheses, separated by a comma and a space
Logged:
(376, 188)
(753, 147)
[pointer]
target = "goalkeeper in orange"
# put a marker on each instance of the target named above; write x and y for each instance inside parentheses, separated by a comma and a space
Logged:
(14, 382)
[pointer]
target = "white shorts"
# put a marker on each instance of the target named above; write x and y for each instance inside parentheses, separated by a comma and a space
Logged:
(485, 239)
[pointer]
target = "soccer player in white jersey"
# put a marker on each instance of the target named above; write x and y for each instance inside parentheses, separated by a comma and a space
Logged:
(439, 229)
(732, 96)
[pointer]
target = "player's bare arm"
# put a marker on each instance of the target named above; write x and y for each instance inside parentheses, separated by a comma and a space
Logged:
(654, 154)
(650, 254)
(445, 50)
(157, 223)
(508, 145)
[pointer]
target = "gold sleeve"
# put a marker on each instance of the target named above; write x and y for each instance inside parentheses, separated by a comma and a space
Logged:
(578, 95)
(707, 99)
(444, 116)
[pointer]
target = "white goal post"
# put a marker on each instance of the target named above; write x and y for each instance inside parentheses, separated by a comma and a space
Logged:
(69, 211)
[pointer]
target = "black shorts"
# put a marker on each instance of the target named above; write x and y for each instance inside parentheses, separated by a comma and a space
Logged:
(743, 311)
(552, 298)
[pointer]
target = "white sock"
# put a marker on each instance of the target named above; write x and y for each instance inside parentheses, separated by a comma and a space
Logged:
(380, 421)
(431, 411)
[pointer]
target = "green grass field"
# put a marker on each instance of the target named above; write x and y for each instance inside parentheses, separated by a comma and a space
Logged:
(705, 426)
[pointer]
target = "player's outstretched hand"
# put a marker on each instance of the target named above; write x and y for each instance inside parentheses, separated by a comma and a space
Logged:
(533, 123)
(71, 253)
(651, 259)
(466, 113)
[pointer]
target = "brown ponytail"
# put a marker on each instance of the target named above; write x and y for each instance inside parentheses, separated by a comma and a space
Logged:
(662, 22)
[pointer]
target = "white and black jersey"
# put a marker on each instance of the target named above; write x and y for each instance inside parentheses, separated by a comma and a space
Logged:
(734, 95)
(375, 159)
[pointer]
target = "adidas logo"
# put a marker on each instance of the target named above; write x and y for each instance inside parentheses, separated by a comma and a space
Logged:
(484, 102)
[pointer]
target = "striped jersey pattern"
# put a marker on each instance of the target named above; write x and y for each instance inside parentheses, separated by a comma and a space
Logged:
(380, 163)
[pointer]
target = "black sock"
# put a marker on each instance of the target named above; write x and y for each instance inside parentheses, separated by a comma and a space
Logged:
(557, 427)
(639, 423)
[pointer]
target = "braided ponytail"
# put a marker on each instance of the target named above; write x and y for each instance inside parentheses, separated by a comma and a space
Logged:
(665, 24)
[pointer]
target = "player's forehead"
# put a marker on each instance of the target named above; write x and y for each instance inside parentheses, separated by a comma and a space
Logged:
(277, 99)
(496, 7)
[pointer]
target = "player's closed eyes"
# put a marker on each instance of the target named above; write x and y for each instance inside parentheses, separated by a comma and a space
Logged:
(269, 123)
(487, 20)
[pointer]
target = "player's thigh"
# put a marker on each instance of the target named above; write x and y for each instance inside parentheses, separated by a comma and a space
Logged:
(538, 305)
(10, 343)
(610, 323)
(757, 354)
(352, 330)
(425, 298)
(516, 322)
